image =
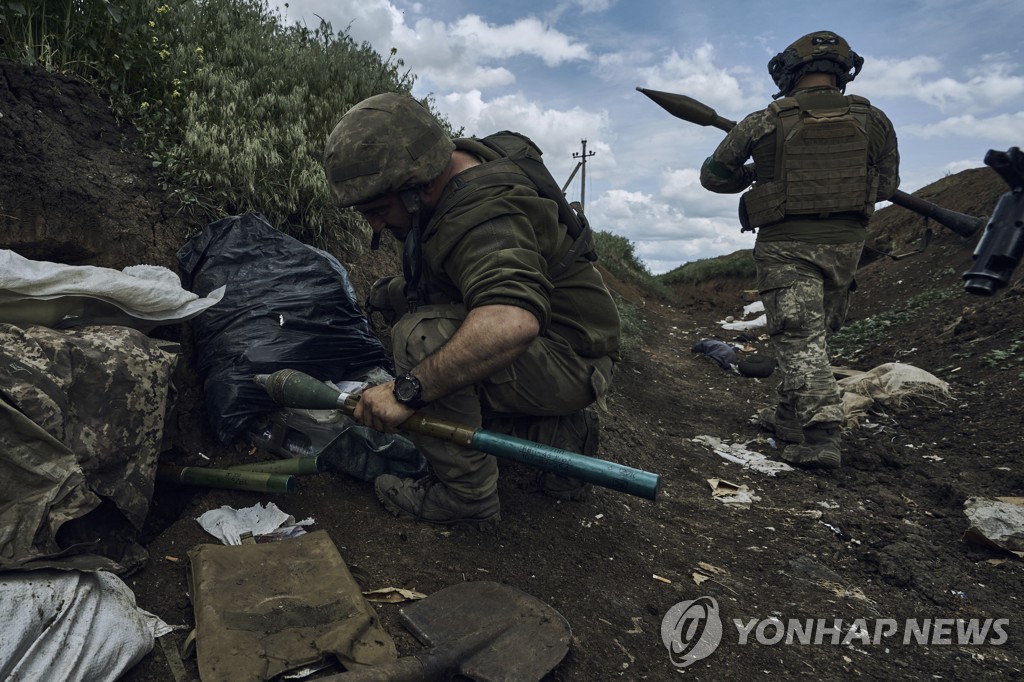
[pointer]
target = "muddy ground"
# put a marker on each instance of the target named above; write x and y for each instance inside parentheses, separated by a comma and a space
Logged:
(879, 540)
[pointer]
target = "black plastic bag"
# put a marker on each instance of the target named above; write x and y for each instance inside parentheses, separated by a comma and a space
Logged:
(287, 305)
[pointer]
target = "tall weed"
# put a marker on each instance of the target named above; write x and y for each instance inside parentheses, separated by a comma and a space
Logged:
(234, 106)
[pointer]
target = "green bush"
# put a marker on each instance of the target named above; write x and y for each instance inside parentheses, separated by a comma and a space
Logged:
(633, 326)
(233, 106)
(738, 265)
(618, 255)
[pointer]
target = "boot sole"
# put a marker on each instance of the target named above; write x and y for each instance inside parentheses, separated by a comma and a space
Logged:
(827, 462)
(488, 525)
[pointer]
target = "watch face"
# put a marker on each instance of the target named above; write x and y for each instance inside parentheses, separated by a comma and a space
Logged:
(405, 389)
(408, 389)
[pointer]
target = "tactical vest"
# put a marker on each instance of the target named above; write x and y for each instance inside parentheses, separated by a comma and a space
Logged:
(821, 163)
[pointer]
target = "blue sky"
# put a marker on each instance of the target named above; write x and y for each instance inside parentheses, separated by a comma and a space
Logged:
(949, 73)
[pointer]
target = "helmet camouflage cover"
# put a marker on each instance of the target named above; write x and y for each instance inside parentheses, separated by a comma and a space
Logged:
(386, 143)
(821, 51)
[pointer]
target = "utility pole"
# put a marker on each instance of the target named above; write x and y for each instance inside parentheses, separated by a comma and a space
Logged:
(581, 166)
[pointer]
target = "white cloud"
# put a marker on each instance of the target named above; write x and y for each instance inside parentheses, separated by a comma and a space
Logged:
(465, 53)
(557, 133)
(1004, 129)
(697, 76)
(927, 80)
(661, 232)
(682, 187)
(528, 36)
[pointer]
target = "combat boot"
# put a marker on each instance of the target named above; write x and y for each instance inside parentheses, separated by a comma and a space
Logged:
(428, 499)
(577, 432)
(782, 422)
(820, 449)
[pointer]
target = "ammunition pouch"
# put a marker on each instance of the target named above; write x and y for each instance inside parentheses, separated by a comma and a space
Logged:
(764, 203)
(744, 217)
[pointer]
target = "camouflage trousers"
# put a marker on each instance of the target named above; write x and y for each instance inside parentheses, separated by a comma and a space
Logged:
(805, 288)
(549, 379)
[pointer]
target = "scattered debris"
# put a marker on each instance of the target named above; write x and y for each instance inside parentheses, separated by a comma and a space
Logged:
(996, 523)
(730, 322)
(711, 568)
(392, 595)
(266, 524)
(742, 456)
(732, 494)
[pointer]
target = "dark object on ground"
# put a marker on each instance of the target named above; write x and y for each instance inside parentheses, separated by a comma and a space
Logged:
(756, 366)
(719, 351)
(482, 631)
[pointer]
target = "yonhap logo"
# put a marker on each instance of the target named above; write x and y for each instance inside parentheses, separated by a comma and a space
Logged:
(691, 631)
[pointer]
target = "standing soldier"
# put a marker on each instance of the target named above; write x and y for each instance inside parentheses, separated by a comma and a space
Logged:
(821, 160)
(504, 321)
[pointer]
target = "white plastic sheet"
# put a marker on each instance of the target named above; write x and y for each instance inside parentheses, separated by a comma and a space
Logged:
(144, 292)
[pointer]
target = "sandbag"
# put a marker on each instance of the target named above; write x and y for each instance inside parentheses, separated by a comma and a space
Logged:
(72, 626)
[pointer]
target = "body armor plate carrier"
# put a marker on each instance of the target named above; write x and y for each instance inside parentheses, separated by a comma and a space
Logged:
(821, 164)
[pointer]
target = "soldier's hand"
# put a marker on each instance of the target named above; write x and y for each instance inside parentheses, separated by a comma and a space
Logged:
(378, 409)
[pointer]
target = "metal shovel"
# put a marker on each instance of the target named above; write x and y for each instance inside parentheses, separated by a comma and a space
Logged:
(482, 631)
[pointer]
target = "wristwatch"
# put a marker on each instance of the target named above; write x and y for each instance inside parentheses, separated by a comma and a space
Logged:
(409, 391)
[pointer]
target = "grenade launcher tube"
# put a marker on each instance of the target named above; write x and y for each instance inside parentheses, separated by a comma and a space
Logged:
(291, 388)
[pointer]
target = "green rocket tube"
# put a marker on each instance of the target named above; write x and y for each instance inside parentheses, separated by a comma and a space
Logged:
(297, 466)
(231, 479)
(291, 388)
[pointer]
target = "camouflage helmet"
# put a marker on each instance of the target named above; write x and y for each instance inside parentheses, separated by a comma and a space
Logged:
(386, 143)
(821, 51)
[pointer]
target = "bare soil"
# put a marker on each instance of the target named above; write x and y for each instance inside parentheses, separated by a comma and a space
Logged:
(881, 538)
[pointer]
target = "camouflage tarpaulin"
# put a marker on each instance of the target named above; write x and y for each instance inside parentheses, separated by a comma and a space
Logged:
(82, 422)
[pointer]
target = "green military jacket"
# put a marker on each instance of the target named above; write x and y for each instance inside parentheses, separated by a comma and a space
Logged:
(754, 137)
(491, 240)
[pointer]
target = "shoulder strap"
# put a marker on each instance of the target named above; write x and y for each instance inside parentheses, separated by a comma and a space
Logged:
(787, 113)
(521, 150)
(860, 107)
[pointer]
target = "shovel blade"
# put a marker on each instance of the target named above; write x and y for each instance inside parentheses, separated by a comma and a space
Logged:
(521, 637)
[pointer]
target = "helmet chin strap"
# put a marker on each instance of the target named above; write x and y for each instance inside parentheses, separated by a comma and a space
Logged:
(412, 255)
